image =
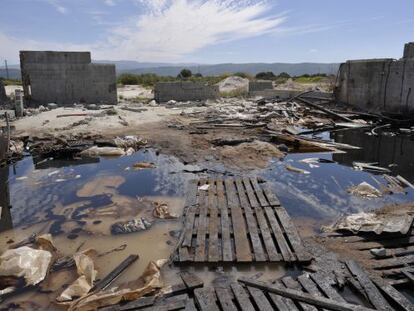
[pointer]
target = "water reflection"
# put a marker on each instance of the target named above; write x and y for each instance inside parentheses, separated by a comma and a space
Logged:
(386, 150)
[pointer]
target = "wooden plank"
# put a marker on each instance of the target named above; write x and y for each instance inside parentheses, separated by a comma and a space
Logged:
(191, 193)
(191, 280)
(271, 197)
(190, 306)
(189, 226)
(324, 282)
(169, 304)
(205, 299)
(232, 198)
(225, 298)
(260, 299)
(309, 286)
(244, 201)
(242, 245)
(200, 250)
(241, 297)
(259, 253)
(371, 290)
(277, 231)
(227, 252)
(300, 296)
(132, 305)
(289, 282)
(287, 301)
(393, 262)
(259, 192)
(292, 234)
(393, 294)
(214, 255)
(267, 237)
(184, 254)
(114, 274)
(250, 193)
(280, 302)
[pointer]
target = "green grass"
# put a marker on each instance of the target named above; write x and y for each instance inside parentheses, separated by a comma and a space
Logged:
(11, 81)
(313, 79)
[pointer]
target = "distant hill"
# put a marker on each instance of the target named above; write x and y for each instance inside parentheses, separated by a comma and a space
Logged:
(165, 69)
(251, 68)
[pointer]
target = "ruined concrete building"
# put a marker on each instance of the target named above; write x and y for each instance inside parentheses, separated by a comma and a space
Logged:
(184, 91)
(378, 85)
(65, 78)
(3, 96)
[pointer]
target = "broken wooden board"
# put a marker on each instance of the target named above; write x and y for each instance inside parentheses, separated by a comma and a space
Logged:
(389, 255)
(308, 293)
(238, 220)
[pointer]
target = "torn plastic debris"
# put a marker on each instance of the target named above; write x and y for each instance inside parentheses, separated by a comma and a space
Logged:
(31, 264)
(103, 151)
(204, 187)
(147, 283)
(162, 211)
(377, 222)
(365, 190)
(87, 275)
(129, 142)
(131, 226)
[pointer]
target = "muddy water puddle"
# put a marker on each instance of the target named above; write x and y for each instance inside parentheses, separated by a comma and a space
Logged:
(79, 201)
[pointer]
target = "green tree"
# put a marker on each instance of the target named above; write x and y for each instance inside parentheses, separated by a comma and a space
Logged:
(284, 75)
(266, 76)
(185, 74)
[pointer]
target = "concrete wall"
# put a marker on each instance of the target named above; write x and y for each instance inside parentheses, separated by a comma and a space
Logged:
(183, 91)
(65, 78)
(409, 50)
(377, 85)
(3, 97)
(260, 85)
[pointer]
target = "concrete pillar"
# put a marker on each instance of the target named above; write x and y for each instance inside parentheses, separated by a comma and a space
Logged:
(409, 50)
(18, 104)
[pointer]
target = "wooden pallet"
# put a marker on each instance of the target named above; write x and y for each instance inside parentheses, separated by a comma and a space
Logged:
(237, 220)
(397, 264)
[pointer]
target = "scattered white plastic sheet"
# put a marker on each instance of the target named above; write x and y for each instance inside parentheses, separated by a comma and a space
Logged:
(31, 264)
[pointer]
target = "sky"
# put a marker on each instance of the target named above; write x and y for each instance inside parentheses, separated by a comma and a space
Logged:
(209, 31)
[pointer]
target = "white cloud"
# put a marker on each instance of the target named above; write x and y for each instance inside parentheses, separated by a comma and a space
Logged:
(110, 2)
(173, 29)
(168, 30)
(56, 4)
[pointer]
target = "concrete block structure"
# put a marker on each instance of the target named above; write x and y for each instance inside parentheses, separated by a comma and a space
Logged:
(3, 96)
(65, 78)
(184, 91)
(378, 85)
(260, 85)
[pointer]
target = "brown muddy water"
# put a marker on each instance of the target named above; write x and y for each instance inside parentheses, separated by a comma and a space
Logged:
(78, 201)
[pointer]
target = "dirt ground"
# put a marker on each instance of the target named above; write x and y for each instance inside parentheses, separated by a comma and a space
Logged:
(161, 126)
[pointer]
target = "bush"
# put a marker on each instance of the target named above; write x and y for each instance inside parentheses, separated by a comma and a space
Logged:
(243, 75)
(185, 74)
(266, 76)
(284, 75)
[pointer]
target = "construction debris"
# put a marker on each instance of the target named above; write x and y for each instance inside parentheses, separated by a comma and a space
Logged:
(365, 190)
